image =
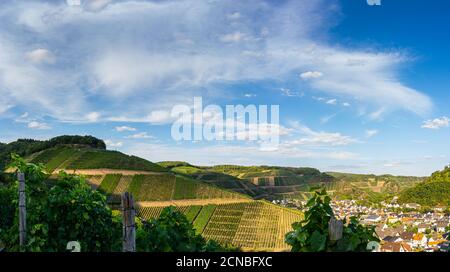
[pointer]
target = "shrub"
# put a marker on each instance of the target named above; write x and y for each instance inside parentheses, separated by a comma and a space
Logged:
(311, 234)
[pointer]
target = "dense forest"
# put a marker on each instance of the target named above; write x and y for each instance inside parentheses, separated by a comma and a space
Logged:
(433, 191)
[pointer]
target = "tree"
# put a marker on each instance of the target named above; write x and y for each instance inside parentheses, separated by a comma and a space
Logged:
(311, 234)
(69, 211)
(77, 213)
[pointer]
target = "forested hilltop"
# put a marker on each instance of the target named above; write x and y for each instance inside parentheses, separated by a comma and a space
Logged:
(26, 147)
(433, 191)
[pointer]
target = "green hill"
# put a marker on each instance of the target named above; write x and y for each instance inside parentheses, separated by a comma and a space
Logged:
(26, 147)
(433, 191)
(158, 187)
(74, 157)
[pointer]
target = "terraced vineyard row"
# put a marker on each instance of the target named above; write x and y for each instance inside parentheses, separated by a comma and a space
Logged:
(189, 189)
(203, 218)
(109, 183)
(152, 187)
(95, 181)
(53, 158)
(96, 159)
(123, 184)
(148, 213)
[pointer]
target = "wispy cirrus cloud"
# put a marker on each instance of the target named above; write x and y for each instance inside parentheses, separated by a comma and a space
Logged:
(38, 125)
(371, 132)
(195, 50)
(124, 128)
(140, 135)
(319, 138)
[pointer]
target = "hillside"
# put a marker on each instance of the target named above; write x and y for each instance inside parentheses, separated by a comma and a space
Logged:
(268, 182)
(71, 157)
(433, 191)
(274, 182)
(217, 212)
(26, 147)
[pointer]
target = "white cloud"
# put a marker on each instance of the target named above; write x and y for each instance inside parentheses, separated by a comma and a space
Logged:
(437, 123)
(124, 128)
(141, 135)
(73, 2)
(315, 138)
(112, 144)
(92, 117)
(147, 65)
(327, 118)
(234, 16)
(38, 125)
(250, 95)
(40, 56)
(331, 102)
(290, 93)
(159, 117)
(232, 154)
(310, 75)
(377, 115)
(346, 104)
(95, 5)
(234, 37)
(371, 133)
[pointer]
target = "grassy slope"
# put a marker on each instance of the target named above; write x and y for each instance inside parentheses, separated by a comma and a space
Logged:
(88, 158)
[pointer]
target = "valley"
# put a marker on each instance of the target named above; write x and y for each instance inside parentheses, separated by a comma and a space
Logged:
(249, 207)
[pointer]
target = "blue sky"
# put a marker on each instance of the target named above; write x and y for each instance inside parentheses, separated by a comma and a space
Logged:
(361, 88)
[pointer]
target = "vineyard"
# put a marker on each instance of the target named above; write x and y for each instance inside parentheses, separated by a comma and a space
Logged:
(148, 213)
(53, 158)
(70, 157)
(109, 183)
(95, 159)
(189, 189)
(254, 225)
(158, 187)
(152, 187)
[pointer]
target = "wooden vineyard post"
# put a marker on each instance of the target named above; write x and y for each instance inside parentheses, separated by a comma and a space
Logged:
(22, 210)
(129, 226)
(335, 229)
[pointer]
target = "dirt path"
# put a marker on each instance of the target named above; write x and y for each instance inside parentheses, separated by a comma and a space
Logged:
(100, 172)
(192, 202)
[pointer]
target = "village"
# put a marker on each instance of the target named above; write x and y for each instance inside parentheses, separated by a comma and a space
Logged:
(400, 227)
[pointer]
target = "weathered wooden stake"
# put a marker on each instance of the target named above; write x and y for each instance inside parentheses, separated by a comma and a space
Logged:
(335, 229)
(129, 227)
(22, 210)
